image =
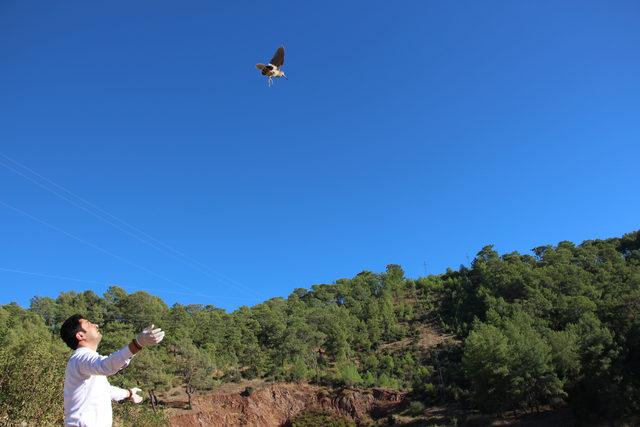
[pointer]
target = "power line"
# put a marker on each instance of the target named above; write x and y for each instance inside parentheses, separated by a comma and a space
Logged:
(153, 242)
(125, 287)
(93, 245)
(50, 276)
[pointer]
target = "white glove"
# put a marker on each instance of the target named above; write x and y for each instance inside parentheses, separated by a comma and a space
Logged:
(149, 336)
(134, 397)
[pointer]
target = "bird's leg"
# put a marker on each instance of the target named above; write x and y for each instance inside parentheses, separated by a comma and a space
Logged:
(270, 81)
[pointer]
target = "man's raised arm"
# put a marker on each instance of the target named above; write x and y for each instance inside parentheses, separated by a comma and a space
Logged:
(94, 364)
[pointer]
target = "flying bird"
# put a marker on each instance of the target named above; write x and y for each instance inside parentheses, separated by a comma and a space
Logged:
(273, 68)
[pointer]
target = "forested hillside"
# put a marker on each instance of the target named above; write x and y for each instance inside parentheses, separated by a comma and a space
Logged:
(558, 327)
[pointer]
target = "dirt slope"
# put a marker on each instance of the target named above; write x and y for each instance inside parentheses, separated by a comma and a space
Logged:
(274, 404)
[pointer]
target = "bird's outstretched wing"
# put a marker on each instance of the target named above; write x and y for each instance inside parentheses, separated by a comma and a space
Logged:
(278, 57)
(260, 66)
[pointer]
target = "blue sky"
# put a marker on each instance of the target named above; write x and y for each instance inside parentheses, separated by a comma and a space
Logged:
(408, 132)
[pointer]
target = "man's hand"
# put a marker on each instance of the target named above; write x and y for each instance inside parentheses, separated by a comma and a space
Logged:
(134, 396)
(149, 336)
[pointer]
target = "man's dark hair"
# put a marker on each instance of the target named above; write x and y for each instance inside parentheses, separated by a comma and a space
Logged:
(69, 329)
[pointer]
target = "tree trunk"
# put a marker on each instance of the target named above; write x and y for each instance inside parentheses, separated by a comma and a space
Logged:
(189, 391)
(153, 400)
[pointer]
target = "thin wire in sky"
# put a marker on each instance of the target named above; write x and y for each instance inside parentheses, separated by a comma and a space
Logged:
(95, 246)
(148, 240)
(125, 287)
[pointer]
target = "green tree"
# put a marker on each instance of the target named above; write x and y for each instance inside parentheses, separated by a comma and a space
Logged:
(194, 367)
(510, 366)
(348, 374)
(32, 368)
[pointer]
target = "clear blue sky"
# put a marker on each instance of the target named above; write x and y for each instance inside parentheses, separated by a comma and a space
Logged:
(408, 132)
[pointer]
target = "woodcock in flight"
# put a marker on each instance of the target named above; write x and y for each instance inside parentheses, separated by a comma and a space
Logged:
(273, 68)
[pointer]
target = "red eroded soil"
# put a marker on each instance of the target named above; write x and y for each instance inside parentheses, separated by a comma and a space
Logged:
(274, 404)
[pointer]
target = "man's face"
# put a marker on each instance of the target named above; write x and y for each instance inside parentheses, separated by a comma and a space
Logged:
(91, 333)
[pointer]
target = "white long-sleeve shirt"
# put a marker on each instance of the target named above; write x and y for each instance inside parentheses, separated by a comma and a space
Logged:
(87, 392)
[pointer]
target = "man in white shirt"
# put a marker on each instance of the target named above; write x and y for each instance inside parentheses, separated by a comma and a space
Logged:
(87, 393)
